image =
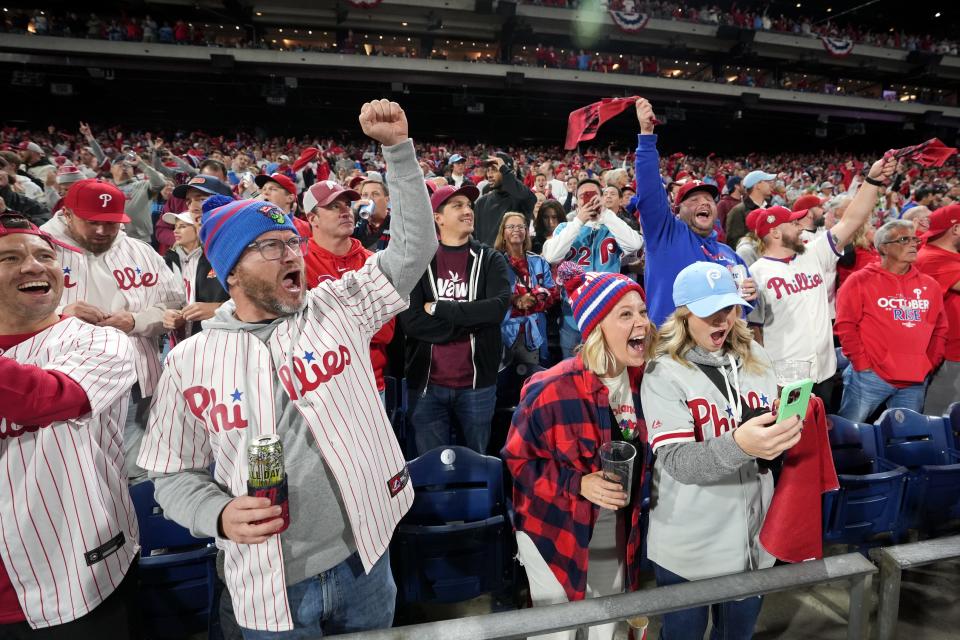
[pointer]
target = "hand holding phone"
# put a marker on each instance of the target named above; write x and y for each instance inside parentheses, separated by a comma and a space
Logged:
(794, 400)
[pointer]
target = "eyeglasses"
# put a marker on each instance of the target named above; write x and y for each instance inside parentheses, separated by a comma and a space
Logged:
(514, 227)
(904, 241)
(274, 249)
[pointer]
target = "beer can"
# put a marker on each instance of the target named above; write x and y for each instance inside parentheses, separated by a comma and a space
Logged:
(266, 477)
(739, 273)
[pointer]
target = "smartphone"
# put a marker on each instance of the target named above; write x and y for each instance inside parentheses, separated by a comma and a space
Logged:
(794, 399)
(585, 198)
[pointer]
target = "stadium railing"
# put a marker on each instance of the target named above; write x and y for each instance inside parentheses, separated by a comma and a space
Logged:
(892, 562)
(851, 567)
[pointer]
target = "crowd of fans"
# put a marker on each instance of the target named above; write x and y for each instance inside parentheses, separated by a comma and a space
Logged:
(596, 263)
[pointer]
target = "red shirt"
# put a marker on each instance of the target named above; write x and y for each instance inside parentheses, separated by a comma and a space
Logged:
(32, 395)
(323, 265)
(944, 267)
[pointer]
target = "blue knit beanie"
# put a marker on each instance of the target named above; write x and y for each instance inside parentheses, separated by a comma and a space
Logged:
(227, 230)
(593, 294)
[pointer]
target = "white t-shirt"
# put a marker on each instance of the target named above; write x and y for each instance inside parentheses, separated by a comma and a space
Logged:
(793, 306)
(621, 403)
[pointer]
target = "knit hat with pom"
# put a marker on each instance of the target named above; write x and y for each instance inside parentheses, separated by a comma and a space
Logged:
(593, 294)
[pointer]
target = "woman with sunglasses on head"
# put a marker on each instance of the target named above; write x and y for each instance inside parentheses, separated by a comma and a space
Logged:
(532, 292)
(707, 398)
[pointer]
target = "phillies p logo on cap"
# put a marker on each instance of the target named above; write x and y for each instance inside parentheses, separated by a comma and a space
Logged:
(96, 201)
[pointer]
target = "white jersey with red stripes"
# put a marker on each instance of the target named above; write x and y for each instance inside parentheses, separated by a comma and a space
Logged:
(129, 276)
(217, 392)
(68, 525)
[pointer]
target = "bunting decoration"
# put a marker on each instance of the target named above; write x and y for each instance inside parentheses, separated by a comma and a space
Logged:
(837, 47)
(629, 22)
(364, 4)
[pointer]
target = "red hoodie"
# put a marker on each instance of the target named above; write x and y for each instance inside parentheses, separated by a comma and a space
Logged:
(323, 265)
(892, 324)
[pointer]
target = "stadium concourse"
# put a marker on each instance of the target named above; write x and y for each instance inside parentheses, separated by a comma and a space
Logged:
(305, 331)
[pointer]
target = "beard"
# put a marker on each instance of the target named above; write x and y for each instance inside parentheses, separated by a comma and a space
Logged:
(796, 244)
(264, 294)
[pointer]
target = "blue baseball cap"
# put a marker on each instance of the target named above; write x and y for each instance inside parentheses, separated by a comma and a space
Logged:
(456, 158)
(752, 178)
(204, 184)
(705, 288)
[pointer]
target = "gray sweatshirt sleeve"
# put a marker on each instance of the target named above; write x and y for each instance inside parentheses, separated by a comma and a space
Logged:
(191, 499)
(413, 237)
(97, 150)
(702, 462)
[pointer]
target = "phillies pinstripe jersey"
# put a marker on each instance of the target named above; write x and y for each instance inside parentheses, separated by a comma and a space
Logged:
(129, 276)
(69, 529)
(217, 392)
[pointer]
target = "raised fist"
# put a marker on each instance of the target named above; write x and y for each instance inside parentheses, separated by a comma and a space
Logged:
(384, 121)
(645, 116)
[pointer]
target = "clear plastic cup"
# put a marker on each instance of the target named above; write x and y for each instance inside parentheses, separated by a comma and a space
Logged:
(616, 462)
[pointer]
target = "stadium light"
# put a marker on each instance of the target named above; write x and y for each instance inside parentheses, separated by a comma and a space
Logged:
(936, 15)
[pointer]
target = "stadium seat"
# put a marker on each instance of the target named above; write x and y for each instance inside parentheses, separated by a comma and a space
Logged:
(952, 420)
(455, 543)
(869, 504)
(920, 444)
(177, 571)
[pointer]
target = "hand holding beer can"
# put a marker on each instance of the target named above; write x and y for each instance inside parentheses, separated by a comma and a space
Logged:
(266, 477)
(739, 273)
(363, 209)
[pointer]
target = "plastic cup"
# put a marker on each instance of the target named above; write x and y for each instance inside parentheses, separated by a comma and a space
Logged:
(790, 371)
(616, 463)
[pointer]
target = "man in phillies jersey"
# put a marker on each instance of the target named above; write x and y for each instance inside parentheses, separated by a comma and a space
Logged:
(791, 316)
(333, 252)
(892, 327)
(277, 359)
(597, 240)
(115, 281)
(453, 329)
(940, 259)
(67, 565)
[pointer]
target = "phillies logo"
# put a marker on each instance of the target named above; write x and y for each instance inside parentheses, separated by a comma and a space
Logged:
(273, 213)
(309, 378)
(801, 282)
(707, 414)
(200, 399)
(133, 278)
(105, 198)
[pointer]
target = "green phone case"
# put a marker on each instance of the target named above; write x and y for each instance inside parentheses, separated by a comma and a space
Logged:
(800, 391)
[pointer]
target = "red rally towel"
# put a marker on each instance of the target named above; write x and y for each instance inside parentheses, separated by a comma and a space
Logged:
(793, 528)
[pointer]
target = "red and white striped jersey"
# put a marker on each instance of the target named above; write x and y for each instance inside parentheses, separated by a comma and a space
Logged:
(129, 276)
(217, 391)
(68, 525)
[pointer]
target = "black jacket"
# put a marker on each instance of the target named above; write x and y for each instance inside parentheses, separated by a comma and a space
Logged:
(207, 286)
(511, 195)
(479, 317)
(35, 211)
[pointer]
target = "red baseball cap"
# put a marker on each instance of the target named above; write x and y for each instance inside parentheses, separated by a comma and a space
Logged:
(12, 222)
(809, 201)
(96, 201)
(762, 221)
(324, 192)
(280, 179)
(942, 220)
(695, 185)
(442, 194)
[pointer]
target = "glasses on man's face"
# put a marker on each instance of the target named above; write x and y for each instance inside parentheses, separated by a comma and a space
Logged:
(904, 241)
(514, 227)
(274, 249)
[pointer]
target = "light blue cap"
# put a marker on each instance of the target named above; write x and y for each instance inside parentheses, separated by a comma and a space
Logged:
(456, 158)
(705, 288)
(752, 178)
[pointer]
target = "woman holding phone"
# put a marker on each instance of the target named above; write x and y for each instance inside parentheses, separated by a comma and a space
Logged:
(707, 397)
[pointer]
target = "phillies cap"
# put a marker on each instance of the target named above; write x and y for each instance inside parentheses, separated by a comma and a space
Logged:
(809, 202)
(205, 184)
(68, 174)
(762, 221)
(280, 179)
(752, 178)
(455, 158)
(96, 200)
(442, 194)
(26, 145)
(705, 288)
(324, 192)
(942, 220)
(184, 216)
(12, 222)
(695, 185)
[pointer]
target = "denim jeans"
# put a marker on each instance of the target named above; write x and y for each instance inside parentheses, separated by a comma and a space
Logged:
(569, 339)
(433, 415)
(864, 391)
(340, 600)
(732, 620)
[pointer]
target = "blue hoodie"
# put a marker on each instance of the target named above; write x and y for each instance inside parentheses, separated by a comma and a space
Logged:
(670, 244)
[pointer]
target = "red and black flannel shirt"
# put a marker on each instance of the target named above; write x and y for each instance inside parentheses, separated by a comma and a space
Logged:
(563, 418)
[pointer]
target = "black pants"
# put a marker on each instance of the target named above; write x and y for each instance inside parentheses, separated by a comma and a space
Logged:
(116, 618)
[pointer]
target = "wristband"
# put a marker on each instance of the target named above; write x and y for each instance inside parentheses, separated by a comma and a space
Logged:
(874, 182)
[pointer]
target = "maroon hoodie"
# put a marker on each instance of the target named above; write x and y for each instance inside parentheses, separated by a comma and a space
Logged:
(892, 324)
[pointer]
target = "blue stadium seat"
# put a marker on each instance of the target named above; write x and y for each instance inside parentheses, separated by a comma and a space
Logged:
(920, 444)
(456, 541)
(177, 571)
(952, 419)
(869, 504)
